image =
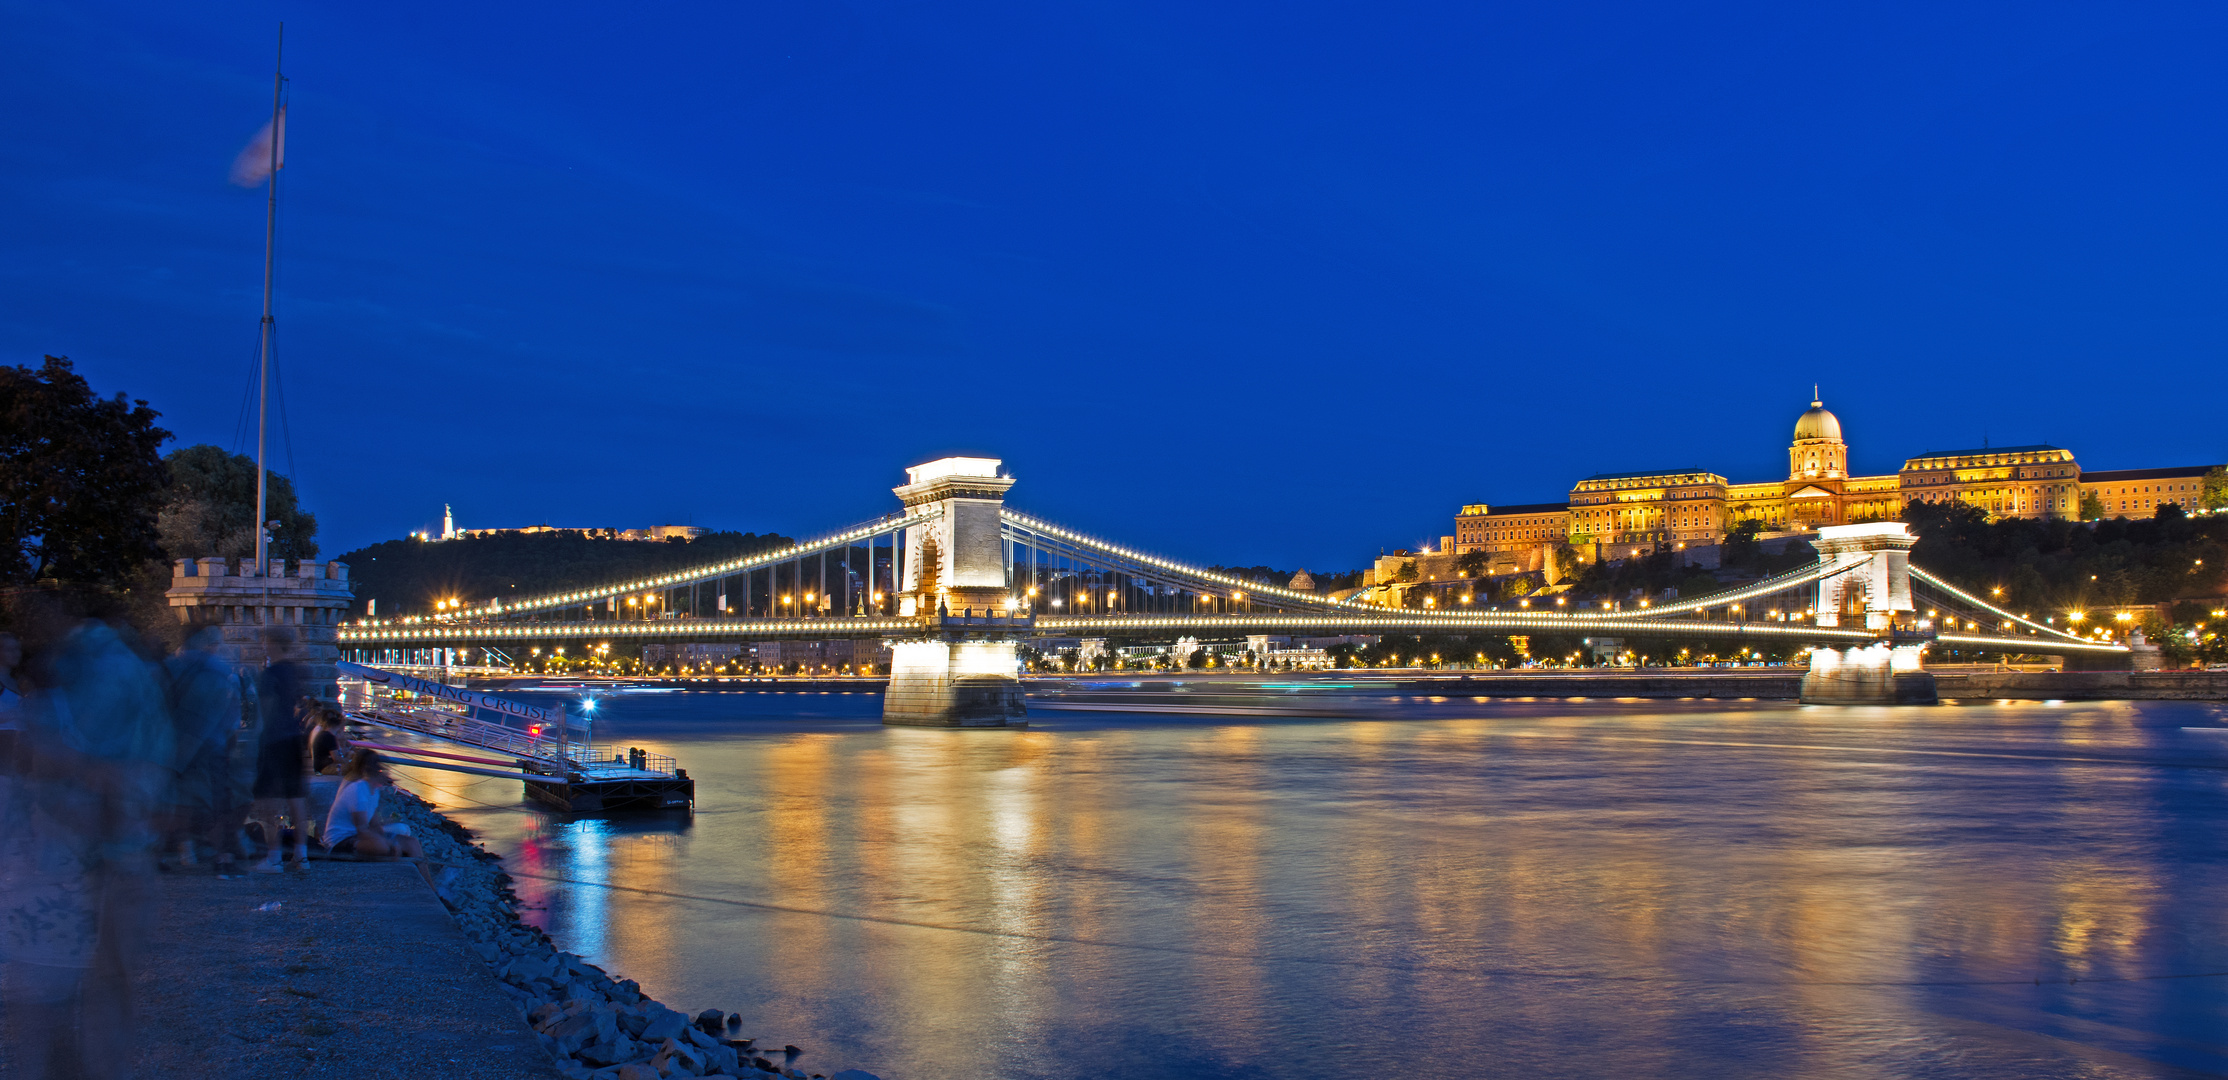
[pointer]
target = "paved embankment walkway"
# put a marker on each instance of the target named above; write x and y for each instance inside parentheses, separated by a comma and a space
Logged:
(360, 970)
(358, 973)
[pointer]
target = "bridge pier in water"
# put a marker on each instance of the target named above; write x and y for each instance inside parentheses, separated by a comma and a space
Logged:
(1869, 577)
(954, 684)
(961, 671)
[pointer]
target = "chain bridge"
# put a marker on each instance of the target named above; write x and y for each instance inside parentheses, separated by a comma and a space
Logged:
(955, 580)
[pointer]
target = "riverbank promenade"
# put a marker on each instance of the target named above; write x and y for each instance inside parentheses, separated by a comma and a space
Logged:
(348, 970)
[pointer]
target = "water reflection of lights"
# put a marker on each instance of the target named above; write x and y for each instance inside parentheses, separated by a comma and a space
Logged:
(965, 891)
(588, 857)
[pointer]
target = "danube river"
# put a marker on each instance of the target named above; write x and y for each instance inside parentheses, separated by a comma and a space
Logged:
(1460, 889)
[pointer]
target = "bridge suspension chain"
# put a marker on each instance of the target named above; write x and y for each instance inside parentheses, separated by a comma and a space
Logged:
(1032, 530)
(1984, 605)
(886, 524)
(1790, 580)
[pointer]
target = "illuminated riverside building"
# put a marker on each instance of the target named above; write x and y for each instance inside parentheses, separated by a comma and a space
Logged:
(1617, 515)
(2009, 481)
(2139, 492)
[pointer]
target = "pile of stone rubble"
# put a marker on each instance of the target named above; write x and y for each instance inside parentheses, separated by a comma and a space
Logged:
(595, 1026)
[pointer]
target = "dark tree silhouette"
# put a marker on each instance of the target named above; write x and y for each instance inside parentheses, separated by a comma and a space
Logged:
(81, 478)
(211, 509)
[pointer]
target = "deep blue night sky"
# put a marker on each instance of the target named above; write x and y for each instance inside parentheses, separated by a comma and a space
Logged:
(1272, 283)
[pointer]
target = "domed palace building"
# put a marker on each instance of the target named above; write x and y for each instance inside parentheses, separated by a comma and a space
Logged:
(1619, 515)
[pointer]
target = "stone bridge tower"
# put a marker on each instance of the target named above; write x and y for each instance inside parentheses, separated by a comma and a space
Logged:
(960, 557)
(308, 607)
(961, 670)
(1868, 577)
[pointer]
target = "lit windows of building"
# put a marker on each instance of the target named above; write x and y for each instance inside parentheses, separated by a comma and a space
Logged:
(1617, 515)
(2040, 481)
(2138, 493)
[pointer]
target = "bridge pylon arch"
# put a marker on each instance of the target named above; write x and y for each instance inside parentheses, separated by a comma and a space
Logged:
(959, 670)
(1867, 575)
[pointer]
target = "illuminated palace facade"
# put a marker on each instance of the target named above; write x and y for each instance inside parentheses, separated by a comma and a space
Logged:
(1617, 515)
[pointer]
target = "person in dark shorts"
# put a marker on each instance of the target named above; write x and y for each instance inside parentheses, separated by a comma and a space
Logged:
(281, 787)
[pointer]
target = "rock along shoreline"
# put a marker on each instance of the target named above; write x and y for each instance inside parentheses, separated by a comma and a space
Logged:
(596, 1027)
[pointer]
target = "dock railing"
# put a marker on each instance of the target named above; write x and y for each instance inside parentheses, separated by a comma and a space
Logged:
(590, 760)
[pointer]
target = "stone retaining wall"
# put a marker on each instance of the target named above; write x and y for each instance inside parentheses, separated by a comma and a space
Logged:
(1787, 684)
(2088, 685)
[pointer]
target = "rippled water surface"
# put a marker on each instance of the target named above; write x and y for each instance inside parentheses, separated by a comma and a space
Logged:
(1467, 889)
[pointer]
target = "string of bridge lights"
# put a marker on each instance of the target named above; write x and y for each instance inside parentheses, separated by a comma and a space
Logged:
(1643, 617)
(1016, 518)
(1415, 620)
(1986, 606)
(683, 577)
(714, 627)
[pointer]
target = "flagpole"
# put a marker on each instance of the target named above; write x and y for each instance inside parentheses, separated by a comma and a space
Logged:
(270, 329)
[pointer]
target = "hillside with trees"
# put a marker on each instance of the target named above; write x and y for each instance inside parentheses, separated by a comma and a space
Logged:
(408, 576)
(2060, 566)
(1325, 582)
(2054, 568)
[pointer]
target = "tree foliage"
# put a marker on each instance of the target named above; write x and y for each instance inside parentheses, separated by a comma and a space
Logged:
(1325, 582)
(2056, 566)
(211, 509)
(81, 478)
(408, 576)
(1740, 547)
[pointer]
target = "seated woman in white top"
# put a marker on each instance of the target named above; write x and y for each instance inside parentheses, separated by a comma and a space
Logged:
(354, 828)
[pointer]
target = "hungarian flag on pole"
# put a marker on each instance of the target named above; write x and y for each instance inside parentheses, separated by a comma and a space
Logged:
(253, 166)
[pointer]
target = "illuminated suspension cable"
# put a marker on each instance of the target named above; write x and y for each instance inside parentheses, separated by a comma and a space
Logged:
(2027, 645)
(849, 536)
(1789, 580)
(1986, 606)
(1092, 543)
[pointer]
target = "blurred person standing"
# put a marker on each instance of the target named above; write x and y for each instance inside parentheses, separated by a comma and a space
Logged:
(326, 754)
(11, 702)
(205, 715)
(281, 761)
(77, 854)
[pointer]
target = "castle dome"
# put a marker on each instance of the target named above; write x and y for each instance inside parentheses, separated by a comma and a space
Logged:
(1818, 423)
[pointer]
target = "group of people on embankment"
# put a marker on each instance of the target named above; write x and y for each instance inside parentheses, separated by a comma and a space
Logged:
(117, 762)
